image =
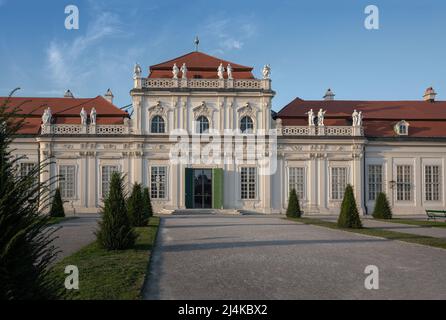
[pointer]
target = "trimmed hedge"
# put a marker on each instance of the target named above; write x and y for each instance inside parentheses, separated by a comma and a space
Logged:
(349, 216)
(382, 207)
(293, 210)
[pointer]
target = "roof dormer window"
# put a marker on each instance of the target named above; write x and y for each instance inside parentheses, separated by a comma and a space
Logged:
(402, 128)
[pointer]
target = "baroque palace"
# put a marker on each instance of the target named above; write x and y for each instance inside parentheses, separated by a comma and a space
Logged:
(316, 147)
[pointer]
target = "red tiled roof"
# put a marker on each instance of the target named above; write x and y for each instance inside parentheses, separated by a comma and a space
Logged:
(200, 65)
(426, 119)
(63, 110)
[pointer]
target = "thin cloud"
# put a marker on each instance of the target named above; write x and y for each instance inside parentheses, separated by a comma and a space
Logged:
(70, 62)
(229, 33)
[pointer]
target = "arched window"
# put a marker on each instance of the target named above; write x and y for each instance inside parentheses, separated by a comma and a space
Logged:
(157, 125)
(202, 124)
(246, 125)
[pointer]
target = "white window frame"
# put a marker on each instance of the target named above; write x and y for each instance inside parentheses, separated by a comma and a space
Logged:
(166, 180)
(411, 183)
(376, 190)
(62, 183)
(198, 125)
(303, 196)
(249, 175)
(249, 131)
(102, 182)
(439, 183)
(165, 124)
(342, 191)
(29, 166)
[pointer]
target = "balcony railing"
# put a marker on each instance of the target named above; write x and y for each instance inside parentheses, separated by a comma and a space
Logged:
(342, 131)
(75, 129)
(159, 83)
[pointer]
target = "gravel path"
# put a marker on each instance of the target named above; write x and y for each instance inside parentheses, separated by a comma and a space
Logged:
(75, 234)
(267, 257)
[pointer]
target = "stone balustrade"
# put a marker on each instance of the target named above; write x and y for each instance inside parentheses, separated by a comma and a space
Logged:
(165, 83)
(75, 129)
(340, 131)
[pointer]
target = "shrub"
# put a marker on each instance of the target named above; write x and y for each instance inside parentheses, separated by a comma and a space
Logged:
(135, 207)
(147, 204)
(293, 210)
(57, 209)
(349, 216)
(115, 230)
(382, 208)
(25, 240)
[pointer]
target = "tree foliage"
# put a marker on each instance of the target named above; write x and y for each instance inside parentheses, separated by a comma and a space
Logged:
(382, 207)
(293, 210)
(349, 215)
(57, 209)
(115, 230)
(135, 207)
(26, 249)
(147, 203)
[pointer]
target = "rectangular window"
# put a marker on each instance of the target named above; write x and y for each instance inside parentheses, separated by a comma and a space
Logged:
(375, 176)
(338, 182)
(158, 182)
(404, 183)
(67, 182)
(26, 167)
(107, 172)
(296, 181)
(432, 177)
(248, 181)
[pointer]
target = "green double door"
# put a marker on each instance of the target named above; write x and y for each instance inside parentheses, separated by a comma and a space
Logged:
(204, 188)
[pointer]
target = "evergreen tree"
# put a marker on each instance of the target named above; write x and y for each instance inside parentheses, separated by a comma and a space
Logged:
(147, 204)
(382, 207)
(349, 216)
(26, 251)
(293, 210)
(115, 230)
(57, 209)
(135, 207)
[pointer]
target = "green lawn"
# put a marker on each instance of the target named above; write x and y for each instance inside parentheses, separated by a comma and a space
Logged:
(391, 235)
(421, 223)
(56, 220)
(115, 275)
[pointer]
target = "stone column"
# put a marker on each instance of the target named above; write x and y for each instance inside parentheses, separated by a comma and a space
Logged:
(357, 181)
(313, 188)
(92, 172)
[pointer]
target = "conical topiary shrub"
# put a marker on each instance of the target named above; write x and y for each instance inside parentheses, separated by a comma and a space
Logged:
(349, 216)
(293, 210)
(115, 231)
(382, 207)
(147, 204)
(135, 207)
(57, 209)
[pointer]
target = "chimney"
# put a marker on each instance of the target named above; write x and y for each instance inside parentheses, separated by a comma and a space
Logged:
(68, 94)
(109, 96)
(329, 95)
(429, 95)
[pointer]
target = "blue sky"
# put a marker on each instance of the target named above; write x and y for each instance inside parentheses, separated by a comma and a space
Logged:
(310, 45)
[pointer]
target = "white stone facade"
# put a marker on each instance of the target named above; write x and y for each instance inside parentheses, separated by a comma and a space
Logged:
(317, 160)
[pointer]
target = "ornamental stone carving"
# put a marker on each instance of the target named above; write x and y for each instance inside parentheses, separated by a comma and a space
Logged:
(247, 110)
(266, 72)
(175, 71)
(157, 109)
(202, 110)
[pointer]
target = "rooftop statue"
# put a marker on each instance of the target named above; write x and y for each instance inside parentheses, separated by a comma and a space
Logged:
(220, 71)
(266, 72)
(175, 71)
(184, 71)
